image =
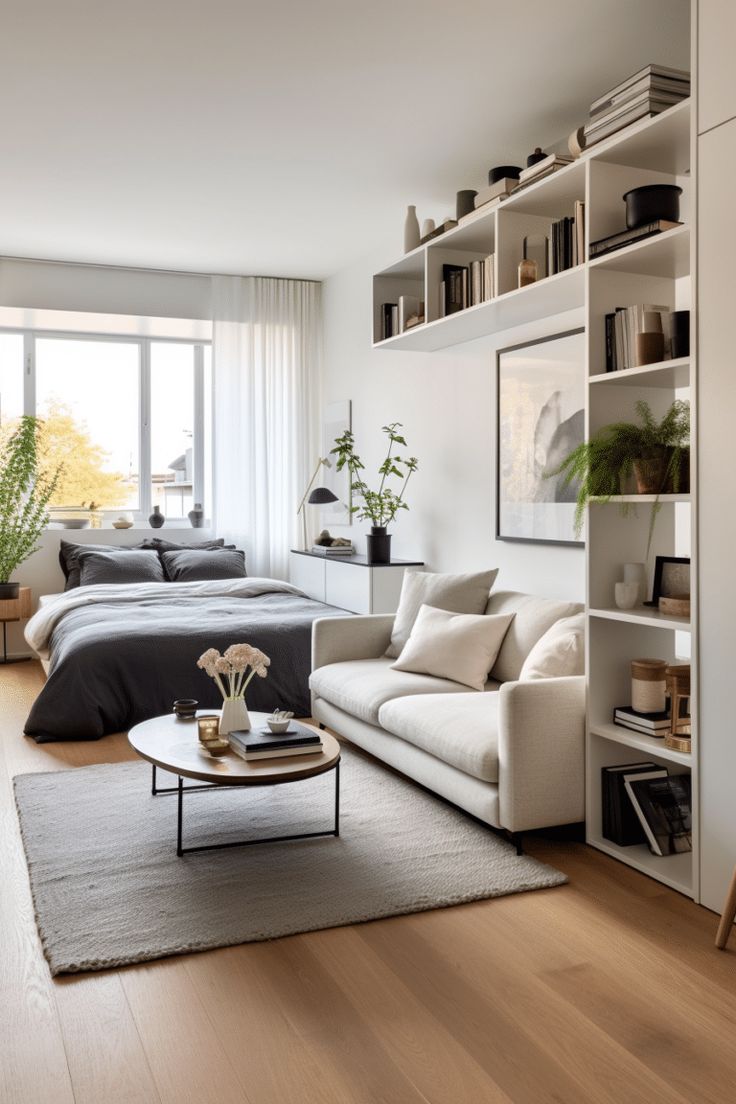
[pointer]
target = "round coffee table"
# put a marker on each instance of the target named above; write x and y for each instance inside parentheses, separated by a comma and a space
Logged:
(173, 745)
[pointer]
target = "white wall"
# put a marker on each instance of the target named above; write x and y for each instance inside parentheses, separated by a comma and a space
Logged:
(446, 402)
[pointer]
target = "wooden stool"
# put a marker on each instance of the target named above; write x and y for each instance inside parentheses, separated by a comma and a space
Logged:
(14, 609)
(729, 914)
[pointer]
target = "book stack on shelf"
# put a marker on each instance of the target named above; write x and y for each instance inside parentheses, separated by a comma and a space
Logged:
(621, 328)
(493, 195)
(262, 744)
(566, 244)
(644, 803)
(648, 92)
(548, 165)
(628, 237)
(650, 724)
(399, 317)
(466, 285)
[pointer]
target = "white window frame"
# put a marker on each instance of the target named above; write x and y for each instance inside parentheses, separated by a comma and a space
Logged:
(145, 503)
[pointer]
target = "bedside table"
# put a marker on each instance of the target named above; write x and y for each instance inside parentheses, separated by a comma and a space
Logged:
(14, 609)
(349, 582)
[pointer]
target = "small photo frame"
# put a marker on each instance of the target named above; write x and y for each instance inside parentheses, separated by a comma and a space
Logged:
(671, 578)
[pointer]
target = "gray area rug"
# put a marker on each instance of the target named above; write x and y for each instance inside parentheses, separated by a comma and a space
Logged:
(109, 889)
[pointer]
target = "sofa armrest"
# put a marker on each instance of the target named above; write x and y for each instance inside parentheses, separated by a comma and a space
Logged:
(335, 639)
(541, 753)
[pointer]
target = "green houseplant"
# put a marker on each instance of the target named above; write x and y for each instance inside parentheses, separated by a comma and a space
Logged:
(24, 497)
(380, 507)
(655, 454)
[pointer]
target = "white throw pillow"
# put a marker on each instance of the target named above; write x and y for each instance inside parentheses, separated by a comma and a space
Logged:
(457, 593)
(457, 646)
(560, 652)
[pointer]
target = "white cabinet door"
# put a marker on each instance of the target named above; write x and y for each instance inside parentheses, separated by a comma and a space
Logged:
(308, 573)
(717, 517)
(348, 586)
(716, 69)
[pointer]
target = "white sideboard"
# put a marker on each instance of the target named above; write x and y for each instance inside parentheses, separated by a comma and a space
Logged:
(350, 583)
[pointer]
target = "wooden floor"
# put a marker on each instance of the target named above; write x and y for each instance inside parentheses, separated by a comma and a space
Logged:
(608, 989)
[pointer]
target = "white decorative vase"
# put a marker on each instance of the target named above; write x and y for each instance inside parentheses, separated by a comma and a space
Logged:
(411, 230)
(234, 716)
(627, 595)
(428, 227)
(637, 573)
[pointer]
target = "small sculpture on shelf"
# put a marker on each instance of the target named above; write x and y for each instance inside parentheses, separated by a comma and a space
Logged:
(326, 540)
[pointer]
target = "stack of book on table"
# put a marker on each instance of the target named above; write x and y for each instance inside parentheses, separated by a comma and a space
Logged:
(643, 803)
(333, 550)
(648, 92)
(263, 744)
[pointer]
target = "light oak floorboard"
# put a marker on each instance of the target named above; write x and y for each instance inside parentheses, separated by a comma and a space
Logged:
(605, 991)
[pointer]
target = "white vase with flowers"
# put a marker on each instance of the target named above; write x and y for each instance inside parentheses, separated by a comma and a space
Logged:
(232, 673)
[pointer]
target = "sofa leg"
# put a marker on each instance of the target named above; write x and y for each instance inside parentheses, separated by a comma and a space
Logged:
(516, 839)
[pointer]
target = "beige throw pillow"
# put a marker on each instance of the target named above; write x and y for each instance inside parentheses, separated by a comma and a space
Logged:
(560, 652)
(457, 646)
(457, 593)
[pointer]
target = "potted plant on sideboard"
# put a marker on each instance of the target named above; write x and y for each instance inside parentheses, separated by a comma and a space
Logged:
(25, 493)
(379, 507)
(654, 455)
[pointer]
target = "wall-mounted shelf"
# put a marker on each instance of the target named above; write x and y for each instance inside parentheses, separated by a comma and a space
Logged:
(642, 615)
(674, 871)
(669, 374)
(650, 745)
(666, 255)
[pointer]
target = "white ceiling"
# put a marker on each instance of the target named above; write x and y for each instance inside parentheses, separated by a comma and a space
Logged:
(286, 138)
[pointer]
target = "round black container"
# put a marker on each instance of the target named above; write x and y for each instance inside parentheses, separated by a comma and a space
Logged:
(501, 171)
(652, 202)
(9, 590)
(378, 545)
(465, 202)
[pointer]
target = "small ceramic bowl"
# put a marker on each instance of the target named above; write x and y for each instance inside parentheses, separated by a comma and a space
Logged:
(277, 726)
(217, 747)
(186, 708)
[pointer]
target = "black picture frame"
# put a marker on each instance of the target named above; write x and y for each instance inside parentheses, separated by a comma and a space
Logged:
(500, 534)
(659, 584)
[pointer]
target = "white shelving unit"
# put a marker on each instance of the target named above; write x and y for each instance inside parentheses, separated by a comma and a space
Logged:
(658, 270)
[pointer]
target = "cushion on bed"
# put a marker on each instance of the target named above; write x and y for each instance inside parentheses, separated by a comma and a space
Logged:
(162, 545)
(69, 557)
(198, 564)
(110, 565)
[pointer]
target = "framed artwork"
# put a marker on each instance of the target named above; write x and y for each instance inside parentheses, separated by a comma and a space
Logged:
(540, 419)
(671, 578)
(336, 419)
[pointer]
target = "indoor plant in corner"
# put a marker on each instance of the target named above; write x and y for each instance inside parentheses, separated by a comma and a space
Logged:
(25, 493)
(655, 455)
(379, 507)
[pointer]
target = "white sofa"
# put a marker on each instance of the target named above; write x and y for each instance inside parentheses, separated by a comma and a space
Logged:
(512, 755)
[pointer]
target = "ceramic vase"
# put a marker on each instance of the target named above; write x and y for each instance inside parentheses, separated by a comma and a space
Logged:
(637, 573)
(428, 227)
(411, 229)
(627, 595)
(378, 545)
(156, 519)
(234, 716)
(196, 516)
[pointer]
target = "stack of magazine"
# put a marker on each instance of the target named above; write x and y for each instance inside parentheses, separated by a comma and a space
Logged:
(647, 92)
(642, 803)
(264, 744)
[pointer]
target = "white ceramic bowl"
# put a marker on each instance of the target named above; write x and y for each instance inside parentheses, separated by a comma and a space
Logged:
(278, 726)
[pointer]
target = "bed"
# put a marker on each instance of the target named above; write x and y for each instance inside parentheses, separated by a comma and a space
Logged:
(116, 654)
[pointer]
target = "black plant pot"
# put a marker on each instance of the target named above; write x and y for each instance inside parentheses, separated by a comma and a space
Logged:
(378, 543)
(9, 590)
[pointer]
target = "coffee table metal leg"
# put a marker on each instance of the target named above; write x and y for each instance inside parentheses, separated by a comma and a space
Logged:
(337, 798)
(179, 816)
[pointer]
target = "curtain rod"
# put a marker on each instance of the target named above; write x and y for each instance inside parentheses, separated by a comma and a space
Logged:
(157, 271)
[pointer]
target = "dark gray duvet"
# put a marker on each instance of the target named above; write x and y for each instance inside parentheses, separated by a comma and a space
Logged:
(116, 663)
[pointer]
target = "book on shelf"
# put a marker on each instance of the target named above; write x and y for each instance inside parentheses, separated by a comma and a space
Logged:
(497, 191)
(566, 242)
(624, 114)
(466, 285)
(623, 238)
(656, 99)
(619, 822)
(389, 320)
(454, 288)
(621, 329)
(676, 79)
(551, 163)
(646, 722)
(663, 806)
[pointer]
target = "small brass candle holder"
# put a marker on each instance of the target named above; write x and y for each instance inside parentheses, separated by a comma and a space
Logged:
(208, 728)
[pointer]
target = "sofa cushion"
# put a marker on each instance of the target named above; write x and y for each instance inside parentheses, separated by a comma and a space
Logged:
(459, 729)
(362, 686)
(457, 593)
(533, 617)
(459, 646)
(559, 653)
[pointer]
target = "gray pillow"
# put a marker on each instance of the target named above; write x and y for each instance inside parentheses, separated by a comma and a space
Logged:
(200, 565)
(454, 593)
(113, 566)
(69, 557)
(162, 545)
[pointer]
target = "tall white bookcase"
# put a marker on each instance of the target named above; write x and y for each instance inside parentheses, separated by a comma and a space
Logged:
(657, 270)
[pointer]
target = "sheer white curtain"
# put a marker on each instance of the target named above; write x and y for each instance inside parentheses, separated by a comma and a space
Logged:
(266, 347)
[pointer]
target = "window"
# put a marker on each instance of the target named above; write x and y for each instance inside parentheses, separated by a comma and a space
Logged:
(127, 418)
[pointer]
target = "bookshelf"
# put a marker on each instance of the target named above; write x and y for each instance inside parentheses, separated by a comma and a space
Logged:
(657, 270)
